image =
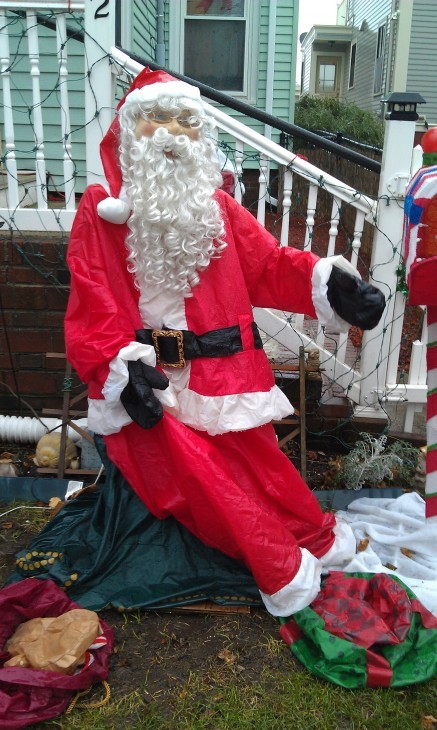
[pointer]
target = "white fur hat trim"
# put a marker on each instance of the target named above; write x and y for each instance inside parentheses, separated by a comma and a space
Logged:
(150, 92)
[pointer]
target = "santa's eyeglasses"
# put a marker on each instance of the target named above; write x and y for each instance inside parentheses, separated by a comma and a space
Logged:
(184, 119)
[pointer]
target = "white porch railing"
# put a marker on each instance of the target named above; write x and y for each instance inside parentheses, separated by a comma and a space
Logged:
(371, 384)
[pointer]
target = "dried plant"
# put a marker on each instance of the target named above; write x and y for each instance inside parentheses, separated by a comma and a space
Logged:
(371, 461)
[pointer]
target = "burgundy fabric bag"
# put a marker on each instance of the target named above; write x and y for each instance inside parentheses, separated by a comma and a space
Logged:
(27, 695)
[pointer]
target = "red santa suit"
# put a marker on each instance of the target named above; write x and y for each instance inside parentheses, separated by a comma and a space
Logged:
(212, 461)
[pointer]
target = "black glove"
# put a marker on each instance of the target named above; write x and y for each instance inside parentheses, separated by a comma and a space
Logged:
(354, 300)
(138, 399)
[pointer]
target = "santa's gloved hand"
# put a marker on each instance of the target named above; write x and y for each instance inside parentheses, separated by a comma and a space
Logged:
(357, 302)
(138, 398)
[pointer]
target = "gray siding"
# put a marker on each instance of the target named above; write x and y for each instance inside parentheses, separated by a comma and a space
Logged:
(422, 60)
(367, 18)
(306, 74)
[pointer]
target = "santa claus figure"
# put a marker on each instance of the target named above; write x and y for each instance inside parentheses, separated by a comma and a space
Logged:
(164, 273)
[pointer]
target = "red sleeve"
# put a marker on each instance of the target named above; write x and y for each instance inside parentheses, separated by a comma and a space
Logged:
(276, 276)
(102, 313)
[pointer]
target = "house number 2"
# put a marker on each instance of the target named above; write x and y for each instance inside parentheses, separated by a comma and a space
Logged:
(98, 14)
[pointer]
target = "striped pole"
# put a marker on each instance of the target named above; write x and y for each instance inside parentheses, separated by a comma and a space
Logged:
(420, 239)
(431, 416)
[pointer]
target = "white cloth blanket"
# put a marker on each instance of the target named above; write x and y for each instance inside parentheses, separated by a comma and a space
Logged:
(394, 532)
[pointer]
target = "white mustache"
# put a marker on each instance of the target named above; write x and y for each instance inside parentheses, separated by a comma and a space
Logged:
(180, 145)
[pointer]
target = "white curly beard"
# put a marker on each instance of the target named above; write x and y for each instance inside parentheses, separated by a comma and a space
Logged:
(176, 224)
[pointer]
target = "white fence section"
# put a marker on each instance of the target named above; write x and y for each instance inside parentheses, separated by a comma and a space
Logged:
(376, 381)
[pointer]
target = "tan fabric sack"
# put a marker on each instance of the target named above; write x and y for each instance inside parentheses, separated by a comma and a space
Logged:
(56, 644)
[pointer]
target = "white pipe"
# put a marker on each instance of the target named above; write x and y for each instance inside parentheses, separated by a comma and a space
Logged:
(23, 430)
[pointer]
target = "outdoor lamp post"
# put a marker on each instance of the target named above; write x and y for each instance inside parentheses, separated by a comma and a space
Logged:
(402, 106)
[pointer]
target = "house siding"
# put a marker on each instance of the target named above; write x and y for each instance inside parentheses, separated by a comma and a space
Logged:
(22, 102)
(285, 60)
(422, 61)
(144, 28)
(369, 16)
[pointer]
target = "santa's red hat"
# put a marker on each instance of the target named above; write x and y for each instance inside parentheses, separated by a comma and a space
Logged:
(147, 87)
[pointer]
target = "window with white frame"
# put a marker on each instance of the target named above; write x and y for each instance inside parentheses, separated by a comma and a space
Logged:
(353, 59)
(328, 75)
(379, 60)
(216, 43)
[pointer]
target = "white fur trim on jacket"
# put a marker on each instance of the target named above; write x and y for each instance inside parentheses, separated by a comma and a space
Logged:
(321, 274)
(213, 414)
(300, 592)
(109, 416)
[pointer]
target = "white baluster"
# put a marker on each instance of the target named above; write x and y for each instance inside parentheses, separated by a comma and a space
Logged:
(286, 205)
(38, 132)
(333, 231)
(358, 232)
(311, 215)
(395, 334)
(69, 179)
(262, 189)
(416, 376)
(239, 157)
(10, 159)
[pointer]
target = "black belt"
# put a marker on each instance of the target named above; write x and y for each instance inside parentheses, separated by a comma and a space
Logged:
(174, 347)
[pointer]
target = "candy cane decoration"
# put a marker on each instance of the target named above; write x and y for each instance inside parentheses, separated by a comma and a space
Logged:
(420, 236)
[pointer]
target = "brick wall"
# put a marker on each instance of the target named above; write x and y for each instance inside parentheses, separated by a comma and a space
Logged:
(34, 290)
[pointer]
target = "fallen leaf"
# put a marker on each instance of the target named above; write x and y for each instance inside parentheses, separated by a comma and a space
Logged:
(7, 525)
(55, 505)
(362, 545)
(6, 456)
(312, 455)
(390, 566)
(227, 656)
(54, 501)
(429, 722)
(408, 553)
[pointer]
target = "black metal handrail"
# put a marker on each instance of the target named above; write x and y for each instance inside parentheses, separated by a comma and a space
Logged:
(250, 111)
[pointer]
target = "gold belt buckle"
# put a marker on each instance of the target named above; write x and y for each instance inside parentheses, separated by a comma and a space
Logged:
(180, 341)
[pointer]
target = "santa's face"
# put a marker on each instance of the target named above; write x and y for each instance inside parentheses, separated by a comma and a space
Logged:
(184, 123)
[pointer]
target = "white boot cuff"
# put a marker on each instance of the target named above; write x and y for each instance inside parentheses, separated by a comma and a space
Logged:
(300, 592)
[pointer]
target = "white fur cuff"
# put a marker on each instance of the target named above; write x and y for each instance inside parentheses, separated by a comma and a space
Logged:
(300, 592)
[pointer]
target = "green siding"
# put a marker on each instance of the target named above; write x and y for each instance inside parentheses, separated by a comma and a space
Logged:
(144, 28)
(285, 61)
(144, 19)
(22, 101)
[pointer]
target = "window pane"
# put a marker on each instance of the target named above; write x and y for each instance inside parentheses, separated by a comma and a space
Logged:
(327, 76)
(214, 53)
(218, 8)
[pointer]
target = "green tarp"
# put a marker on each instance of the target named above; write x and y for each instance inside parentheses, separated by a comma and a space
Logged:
(106, 549)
